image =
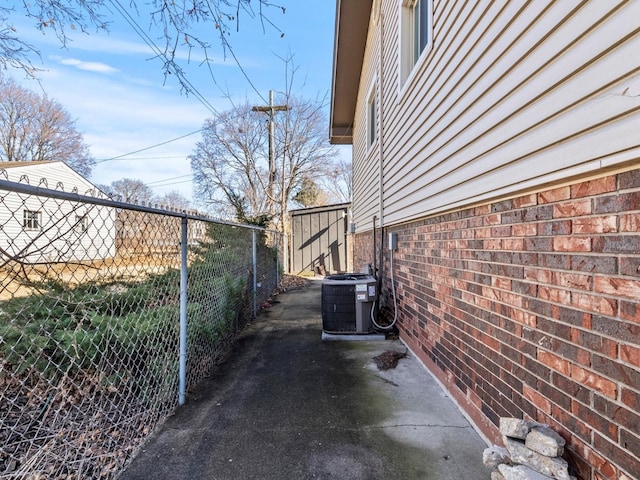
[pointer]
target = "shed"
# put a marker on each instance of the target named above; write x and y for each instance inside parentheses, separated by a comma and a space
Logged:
(319, 239)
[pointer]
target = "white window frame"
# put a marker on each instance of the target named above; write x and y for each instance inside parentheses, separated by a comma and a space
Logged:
(412, 37)
(32, 220)
(81, 224)
(372, 116)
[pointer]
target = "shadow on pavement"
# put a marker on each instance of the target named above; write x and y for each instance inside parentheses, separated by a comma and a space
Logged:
(286, 405)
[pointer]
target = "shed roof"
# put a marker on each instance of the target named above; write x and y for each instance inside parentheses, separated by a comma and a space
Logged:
(352, 24)
(322, 208)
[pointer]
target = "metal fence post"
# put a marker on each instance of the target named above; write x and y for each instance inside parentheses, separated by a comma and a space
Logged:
(278, 246)
(254, 238)
(147, 264)
(182, 383)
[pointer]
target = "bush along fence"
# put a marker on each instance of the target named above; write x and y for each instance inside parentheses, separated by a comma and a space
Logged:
(109, 314)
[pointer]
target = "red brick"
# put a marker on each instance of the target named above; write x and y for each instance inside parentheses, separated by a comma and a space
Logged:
(617, 244)
(595, 264)
(588, 225)
(525, 318)
(629, 179)
(555, 195)
(556, 295)
(603, 466)
(513, 244)
(630, 354)
(555, 228)
(630, 311)
(502, 283)
(482, 210)
(630, 222)
(538, 275)
(617, 203)
(592, 303)
(598, 422)
(617, 286)
(615, 370)
(630, 442)
(630, 398)
(594, 342)
(572, 280)
(574, 389)
(501, 231)
(511, 298)
(554, 362)
(594, 187)
(594, 381)
(574, 208)
(525, 201)
(541, 403)
(494, 219)
(572, 244)
(524, 230)
(629, 267)
(483, 232)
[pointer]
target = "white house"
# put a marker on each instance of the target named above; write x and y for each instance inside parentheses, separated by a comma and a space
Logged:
(39, 229)
(500, 141)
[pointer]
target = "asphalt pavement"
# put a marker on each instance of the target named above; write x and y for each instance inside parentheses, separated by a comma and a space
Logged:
(287, 405)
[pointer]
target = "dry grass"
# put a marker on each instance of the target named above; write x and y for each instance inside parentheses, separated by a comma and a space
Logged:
(19, 279)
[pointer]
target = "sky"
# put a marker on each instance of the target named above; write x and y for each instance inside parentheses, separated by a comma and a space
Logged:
(116, 91)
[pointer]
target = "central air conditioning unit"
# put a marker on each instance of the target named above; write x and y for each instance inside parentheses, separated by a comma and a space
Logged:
(347, 302)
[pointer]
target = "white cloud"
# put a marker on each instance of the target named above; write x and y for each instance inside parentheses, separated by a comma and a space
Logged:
(97, 67)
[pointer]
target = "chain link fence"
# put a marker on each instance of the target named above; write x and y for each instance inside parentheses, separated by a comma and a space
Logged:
(109, 314)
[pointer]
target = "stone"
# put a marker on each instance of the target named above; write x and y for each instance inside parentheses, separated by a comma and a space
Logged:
(496, 475)
(514, 427)
(494, 456)
(553, 467)
(545, 441)
(520, 472)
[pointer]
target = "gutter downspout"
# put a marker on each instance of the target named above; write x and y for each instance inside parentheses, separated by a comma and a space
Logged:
(380, 148)
(380, 124)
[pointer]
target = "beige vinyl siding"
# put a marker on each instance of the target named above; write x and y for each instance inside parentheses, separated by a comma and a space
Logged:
(366, 164)
(512, 95)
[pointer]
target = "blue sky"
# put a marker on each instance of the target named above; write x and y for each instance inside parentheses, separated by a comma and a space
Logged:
(117, 93)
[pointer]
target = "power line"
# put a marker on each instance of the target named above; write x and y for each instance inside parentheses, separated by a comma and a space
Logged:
(147, 148)
(171, 183)
(142, 34)
(172, 178)
(120, 157)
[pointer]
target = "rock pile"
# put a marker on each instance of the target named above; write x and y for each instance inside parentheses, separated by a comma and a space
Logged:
(533, 452)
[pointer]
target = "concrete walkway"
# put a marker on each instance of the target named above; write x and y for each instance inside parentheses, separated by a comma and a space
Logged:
(287, 405)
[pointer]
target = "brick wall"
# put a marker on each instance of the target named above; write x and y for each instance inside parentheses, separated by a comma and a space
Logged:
(530, 307)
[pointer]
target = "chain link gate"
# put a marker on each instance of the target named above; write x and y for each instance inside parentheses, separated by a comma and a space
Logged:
(94, 297)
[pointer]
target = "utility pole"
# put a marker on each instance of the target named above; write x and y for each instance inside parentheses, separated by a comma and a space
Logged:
(270, 110)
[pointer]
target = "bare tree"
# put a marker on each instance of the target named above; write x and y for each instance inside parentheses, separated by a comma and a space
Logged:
(131, 190)
(175, 22)
(231, 163)
(35, 128)
(174, 200)
(337, 180)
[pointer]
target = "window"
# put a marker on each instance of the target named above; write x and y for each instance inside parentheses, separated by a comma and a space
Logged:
(32, 220)
(372, 115)
(415, 33)
(81, 224)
